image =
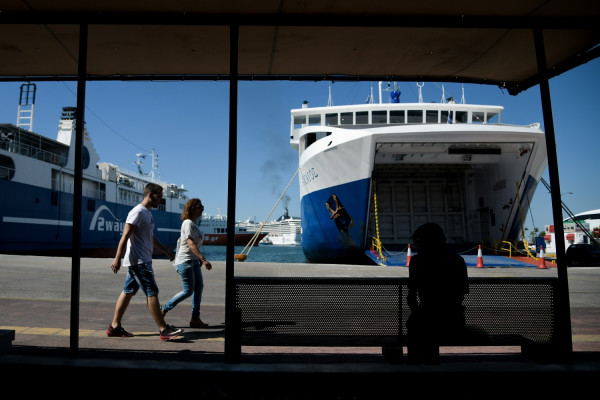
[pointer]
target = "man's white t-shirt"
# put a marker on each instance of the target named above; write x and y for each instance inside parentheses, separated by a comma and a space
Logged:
(141, 243)
(189, 230)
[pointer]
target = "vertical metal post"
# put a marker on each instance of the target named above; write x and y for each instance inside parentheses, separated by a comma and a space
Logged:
(230, 341)
(77, 193)
(563, 283)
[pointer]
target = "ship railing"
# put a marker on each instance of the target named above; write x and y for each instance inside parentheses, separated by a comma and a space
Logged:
(97, 194)
(139, 176)
(168, 192)
(62, 187)
(34, 152)
(6, 173)
(68, 187)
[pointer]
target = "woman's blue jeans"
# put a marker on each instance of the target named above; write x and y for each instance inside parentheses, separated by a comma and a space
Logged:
(191, 280)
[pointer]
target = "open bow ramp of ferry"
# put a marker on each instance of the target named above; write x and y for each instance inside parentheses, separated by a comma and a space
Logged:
(381, 170)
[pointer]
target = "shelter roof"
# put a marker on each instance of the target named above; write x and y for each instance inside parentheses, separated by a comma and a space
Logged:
(436, 40)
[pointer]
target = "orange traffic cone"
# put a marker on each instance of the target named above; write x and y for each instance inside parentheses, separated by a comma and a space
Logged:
(542, 263)
(479, 258)
(408, 256)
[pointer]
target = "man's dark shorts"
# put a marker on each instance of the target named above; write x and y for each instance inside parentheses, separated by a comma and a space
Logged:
(141, 275)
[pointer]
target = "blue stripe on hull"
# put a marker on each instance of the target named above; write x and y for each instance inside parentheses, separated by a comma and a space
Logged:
(341, 239)
(37, 220)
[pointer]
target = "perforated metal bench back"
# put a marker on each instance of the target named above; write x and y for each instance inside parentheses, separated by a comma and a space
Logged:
(512, 307)
(372, 311)
(319, 311)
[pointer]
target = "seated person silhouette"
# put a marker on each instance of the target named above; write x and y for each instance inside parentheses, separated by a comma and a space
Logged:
(437, 286)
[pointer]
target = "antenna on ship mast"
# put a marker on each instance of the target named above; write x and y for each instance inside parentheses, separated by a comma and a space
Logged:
(154, 165)
(139, 162)
(370, 98)
(330, 100)
(394, 92)
(26, 105)
(463, 101)
(420, 85)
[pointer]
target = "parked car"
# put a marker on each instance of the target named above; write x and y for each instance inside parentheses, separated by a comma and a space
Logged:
(582, 254)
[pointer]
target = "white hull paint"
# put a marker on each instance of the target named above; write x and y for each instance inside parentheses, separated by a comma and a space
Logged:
(473, 176)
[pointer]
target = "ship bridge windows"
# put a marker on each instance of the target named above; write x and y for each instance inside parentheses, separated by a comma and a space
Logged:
(481, 117)
(7, 168)
(331, 119)
(425, 115)
(347, 118)
(478, 117)
(397, 117)
(314, 120)
(461, 117)
(299, 121)
(379, 117)
(446, 117)
(362, 117)
(431, 117)
(493, 118)
(414, 116)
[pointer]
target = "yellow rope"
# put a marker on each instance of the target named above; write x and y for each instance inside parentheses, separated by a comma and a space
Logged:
(377, 242)
(525, 243)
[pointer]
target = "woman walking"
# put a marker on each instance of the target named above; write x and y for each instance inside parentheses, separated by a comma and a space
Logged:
(189, 261)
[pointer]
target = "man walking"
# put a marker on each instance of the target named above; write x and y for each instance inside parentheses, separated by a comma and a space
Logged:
(136, 247)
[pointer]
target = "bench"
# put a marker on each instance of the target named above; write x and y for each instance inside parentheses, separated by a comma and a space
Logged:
(372, 312)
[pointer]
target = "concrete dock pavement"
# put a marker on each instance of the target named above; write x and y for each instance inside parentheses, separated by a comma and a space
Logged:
(35, 303)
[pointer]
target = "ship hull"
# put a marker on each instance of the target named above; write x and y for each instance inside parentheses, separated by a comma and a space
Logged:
(37, 182)
(39, 221)
(325, 239)
(361, 186)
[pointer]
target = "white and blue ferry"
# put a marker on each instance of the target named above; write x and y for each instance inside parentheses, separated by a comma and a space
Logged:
(380, 170)
(37, 185)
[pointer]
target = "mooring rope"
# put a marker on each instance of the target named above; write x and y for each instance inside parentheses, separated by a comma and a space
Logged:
(242, 256)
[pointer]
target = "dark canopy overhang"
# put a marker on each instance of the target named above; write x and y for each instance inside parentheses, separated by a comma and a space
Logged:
(458, 41)
(515, 44)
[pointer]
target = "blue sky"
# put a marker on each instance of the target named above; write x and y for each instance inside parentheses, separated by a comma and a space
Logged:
(187, 124)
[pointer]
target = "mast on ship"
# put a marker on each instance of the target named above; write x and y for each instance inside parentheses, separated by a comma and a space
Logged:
(139, 162)
(393, 92)
(26, 106)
